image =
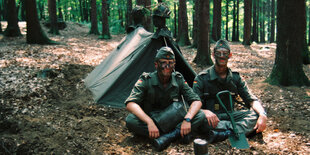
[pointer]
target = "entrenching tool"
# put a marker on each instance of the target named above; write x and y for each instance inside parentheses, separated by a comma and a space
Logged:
(237, 140)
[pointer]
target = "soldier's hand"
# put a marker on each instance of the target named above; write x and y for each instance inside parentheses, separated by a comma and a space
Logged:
(261, 123)
(213, 120)
(153, 130)
(185, 128)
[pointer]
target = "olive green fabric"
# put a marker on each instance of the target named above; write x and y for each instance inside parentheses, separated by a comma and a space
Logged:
(221, 44)
(135, 125)
(149, 93)
(164, 53)
(112, 81)
(207, 84)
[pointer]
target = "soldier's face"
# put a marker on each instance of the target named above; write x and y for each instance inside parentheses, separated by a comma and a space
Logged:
(165, 67)
(159, 21)
(221, 57)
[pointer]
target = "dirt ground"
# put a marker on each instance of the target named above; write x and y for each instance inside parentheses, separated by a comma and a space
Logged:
(46, 109)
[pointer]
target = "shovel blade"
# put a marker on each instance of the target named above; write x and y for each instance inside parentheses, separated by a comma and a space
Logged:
(239, 143)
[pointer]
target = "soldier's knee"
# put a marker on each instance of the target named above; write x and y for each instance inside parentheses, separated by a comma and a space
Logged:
(130, 121)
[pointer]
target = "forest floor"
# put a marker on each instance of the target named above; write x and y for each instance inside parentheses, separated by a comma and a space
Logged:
(46, 109)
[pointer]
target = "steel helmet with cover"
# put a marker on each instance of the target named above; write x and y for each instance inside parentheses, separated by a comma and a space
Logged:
(161, 10)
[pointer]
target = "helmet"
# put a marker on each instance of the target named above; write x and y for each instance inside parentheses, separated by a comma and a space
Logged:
(161, 10)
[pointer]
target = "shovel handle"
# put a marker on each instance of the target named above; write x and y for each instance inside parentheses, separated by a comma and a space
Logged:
(228, 113)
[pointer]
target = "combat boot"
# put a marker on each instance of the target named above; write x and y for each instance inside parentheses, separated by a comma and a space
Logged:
(165, 140)
(218, 136)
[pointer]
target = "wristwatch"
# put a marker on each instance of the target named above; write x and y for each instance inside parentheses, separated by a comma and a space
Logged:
(263, 113)
(187, 119)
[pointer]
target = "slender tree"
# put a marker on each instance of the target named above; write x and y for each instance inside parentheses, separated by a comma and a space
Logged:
(93, 18)
(195, 23)
(273, 19)
(12, 29)
(60, 15)
(175, 19)
(309, 25)
(182, 38)
(203, 56)
(0, 19)
(227, 19)
(247, 22)
(262, 22)
(105, 22)
(120, 12)
(234, 28)
(237, 23)
(288, 69)
(41, 9)
(53, 17)
(255, 26)
(35, 34)
(217, 19)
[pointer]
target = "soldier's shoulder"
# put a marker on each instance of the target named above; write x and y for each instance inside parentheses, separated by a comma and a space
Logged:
(204, 72)
(145, 75)
(178, 74)
(234, 73)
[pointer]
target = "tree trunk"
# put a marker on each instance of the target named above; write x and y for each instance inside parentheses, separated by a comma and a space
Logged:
(120, 12)
(247, 22)
(105, 21)
(262, 22)
(85, 11)
(234, 22)
(254, 33)
(203, 56)
(195, 23)
(237, 24)
(5, 11)
(93, 18)
(309, 26)
(175, 20)
(0, 19)
(53, 17)
(128, 14)
(81, 9)
(272, 32)
(23, 10)
(182, 38)
(35, 34)
(41, 10)
(60, 15)
(217, 19)
(12, 30)
(227, 19)
(288, 68)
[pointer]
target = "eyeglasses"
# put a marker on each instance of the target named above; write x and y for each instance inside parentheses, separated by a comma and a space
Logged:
(166, 64)
(221, 53)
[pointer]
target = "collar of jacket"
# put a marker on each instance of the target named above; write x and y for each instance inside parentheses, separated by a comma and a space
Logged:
(214, 76)
(155, 79)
